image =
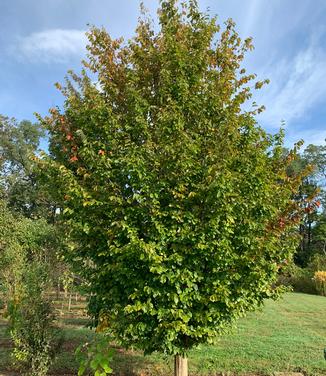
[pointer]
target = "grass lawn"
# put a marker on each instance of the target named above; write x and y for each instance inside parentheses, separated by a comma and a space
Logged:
(288, 335)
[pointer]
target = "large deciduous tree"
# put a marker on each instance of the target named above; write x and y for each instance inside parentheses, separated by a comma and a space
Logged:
(19, 185)
(180, 201)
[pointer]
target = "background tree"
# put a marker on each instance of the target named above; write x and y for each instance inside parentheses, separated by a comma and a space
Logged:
(23, 192)
(180, 203)
(27, 261)
(21, 189)
(30, 248)
(316, 156)
(12, 258)
(312, 196)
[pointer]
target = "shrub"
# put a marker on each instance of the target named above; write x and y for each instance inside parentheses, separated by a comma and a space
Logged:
(317, 262)
(299, 279)
(303, 282)
(95, 356)
(27, 249)
(31, 324)
(320, 281)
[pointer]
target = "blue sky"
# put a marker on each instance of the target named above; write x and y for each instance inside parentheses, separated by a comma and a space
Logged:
(41, 39)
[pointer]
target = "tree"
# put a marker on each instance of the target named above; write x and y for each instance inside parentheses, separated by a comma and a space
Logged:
(179, 201)
(311, 194)
(29, 248)
(19, 142)
(27, 260)
(23, 193)
(316, 155)
(12, 257)
(307, 196)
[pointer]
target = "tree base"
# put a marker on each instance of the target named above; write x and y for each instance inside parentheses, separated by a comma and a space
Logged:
(180, 366)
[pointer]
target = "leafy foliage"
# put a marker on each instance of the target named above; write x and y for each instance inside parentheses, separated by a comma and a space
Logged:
(21, 189)
(27, 250)
(311, 195)
(298, 279)
(12, 256)
(320, 281)
(31, 324)
(180, 203)
(96, 355)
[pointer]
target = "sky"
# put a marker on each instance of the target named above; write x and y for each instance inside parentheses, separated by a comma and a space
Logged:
(40, 40)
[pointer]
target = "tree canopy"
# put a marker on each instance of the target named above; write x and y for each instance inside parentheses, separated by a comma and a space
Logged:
(19, 185)
(180, 202)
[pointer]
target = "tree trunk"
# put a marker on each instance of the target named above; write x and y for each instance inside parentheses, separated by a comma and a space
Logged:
(180, 365)
(69, 303)
(309, 233)
(58, 291)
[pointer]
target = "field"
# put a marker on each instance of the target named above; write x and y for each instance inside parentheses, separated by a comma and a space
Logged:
(287, 336)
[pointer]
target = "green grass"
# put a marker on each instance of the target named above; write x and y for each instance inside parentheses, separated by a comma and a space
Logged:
(287, 336)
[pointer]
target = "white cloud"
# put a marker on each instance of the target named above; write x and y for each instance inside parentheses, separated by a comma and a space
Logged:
(52, 46)
(310, 136)
(253, 13)
(297, 84)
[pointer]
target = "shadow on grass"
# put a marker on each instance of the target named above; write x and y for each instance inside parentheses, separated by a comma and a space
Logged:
(132, 363)
(125, 363)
